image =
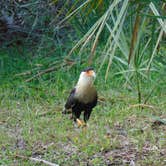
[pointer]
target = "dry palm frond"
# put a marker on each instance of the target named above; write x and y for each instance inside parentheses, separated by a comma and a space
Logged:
(134, 37)
(162, 31)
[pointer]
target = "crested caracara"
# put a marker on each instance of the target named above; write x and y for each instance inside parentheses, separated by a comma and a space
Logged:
(83, 98)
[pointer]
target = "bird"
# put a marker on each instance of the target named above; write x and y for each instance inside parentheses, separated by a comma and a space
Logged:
(83, 97)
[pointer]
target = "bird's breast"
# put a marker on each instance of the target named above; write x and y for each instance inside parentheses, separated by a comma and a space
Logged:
(85, 94)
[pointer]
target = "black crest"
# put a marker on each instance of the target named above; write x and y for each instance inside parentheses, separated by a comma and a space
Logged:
(88, 69)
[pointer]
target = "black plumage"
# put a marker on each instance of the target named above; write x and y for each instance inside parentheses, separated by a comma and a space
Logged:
(79, 106)
(88, 69)
(83, 98)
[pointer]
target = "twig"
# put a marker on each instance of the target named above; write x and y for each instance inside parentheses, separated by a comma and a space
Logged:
(41, 73)
(142, 105)
(4, 121)
(37, 160)
(48, 71)
(23, 74)
(47, 113)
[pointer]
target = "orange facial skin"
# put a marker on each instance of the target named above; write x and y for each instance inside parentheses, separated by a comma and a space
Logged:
(90, 73)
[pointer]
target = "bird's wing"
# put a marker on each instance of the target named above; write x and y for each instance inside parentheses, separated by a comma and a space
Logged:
(71, 100)
(94, 102)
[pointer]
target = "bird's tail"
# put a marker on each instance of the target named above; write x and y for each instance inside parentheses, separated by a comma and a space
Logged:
(66, 111)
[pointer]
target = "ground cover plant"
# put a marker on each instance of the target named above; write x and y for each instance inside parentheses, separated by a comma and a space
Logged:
(125, 43)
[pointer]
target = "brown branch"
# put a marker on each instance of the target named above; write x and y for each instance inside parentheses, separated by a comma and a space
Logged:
(36, 160)
(50, 70)
(41, 73)
(24, 73)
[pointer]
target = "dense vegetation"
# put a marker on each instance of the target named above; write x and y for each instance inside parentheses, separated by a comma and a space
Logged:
(43, 47)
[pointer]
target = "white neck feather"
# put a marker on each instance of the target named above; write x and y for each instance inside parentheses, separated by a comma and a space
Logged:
(84, 81)
(84, 89)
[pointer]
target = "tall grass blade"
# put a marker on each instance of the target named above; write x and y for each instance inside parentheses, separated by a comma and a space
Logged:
(107, 14)
(74, 12)
(100, 23)
(156, 13)
(110, 43)
(155, 48)
(113, 45)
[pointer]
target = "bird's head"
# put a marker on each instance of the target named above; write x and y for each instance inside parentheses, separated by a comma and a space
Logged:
(87, 76)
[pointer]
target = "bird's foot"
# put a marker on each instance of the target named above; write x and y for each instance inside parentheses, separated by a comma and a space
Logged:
(80, 123)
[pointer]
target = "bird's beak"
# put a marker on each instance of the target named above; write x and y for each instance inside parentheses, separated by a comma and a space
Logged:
(91, 73)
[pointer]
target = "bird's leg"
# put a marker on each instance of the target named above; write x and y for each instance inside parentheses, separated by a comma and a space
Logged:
(76, 115)
(87, 115)
(80, 123)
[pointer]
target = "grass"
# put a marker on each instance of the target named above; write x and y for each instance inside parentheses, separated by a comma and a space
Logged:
(118, 132)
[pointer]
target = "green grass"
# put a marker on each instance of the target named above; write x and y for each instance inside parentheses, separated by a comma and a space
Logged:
(119, 132)
(32, 125)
